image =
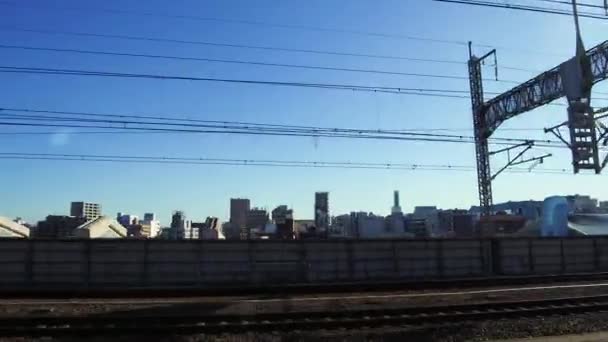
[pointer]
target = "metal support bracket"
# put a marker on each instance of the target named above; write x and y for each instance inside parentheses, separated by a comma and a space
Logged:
(599, 131)
(518, 160)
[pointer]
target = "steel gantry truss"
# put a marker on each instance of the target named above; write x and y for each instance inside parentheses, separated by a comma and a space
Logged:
(538, 91)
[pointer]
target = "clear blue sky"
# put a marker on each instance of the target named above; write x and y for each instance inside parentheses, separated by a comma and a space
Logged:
(33, 189)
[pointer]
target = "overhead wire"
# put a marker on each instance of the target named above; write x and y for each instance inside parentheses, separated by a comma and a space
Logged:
(257, 47)
(228, 127)
(569, 3)
(235, 61)
(434, 92)
(278, 25)
(242, 22)
(382, 89)
(255, 162)
(536, 9)
(182, 118)
(228, 45)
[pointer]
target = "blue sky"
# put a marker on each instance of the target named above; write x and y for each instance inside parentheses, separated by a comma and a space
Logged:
(33, 189)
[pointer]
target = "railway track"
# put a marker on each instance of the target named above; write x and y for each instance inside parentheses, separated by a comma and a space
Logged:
(125, 324)
(50, 291)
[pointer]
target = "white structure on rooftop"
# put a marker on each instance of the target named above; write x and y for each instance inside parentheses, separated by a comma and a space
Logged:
(102, 227)
(10, 228)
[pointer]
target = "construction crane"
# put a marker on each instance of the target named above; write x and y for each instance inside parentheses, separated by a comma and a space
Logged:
(573, 79)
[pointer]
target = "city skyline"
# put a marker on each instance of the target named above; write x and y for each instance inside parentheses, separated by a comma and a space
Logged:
(394, 198)
(38, 188)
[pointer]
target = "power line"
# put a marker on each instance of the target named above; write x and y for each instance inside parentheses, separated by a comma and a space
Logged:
(216, 124)
(260, 47)
(381, 89)
(211, 127)
(447, 93)
(569, 3)
(228, 45)
(234, 61)
(524, 8)
(119, 132)
(254, 162)
(246, 22)
(165, 117)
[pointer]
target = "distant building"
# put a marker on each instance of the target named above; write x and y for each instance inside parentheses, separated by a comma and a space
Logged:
(58, 226)
(212, 229)
(603, 206)
(239, 207)
(231, 231)
(257, 218)
(282, 217)
(149, 217)
(370, 226)
(150, 225)
(89, 211)
(457, 222)
(181, 228)
(302, 226)
(396, 221)
(396, 209)
(416, 227)
(531, 210)
(322, 211)
(430, 215)
(342, 226)
(583, 204)
(208, 230)
(127, 219)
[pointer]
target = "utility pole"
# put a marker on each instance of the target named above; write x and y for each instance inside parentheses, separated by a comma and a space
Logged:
(482, 153)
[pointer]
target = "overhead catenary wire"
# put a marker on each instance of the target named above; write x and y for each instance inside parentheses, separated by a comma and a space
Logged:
(434, 92)
(253, 162)
(226, 45)
(236, 61)
(255, 129)
(182, 118)
(454, 42)
(536, 9)
(382, 89)
(242, 22)
(252, 47)
(120, 119)
(569, 3)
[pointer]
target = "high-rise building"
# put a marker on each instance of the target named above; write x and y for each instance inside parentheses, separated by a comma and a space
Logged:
(150, 225)
(181, 228)
(282, 217)
(89, 211)
(396, 207)
(149, 217)
(396, 221)
(322, 211)
(239, 207)
(257, 218)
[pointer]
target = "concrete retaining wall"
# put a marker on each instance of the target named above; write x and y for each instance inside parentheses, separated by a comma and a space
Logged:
(209, 264)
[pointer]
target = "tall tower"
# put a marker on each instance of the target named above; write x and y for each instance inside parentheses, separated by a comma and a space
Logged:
(322, 211)
(396, 207)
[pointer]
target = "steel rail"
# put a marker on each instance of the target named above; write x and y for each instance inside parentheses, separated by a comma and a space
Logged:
(129, 323)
